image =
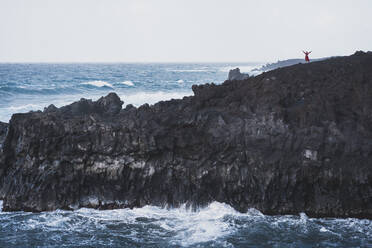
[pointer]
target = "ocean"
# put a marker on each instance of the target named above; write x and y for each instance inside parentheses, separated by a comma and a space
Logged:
(26, 87)
(31, 87)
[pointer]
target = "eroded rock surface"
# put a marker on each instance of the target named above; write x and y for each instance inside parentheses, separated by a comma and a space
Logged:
(3, 131)
(296, 139)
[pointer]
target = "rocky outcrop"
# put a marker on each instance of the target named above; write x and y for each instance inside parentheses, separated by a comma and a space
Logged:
(235, 74)
(296, 139)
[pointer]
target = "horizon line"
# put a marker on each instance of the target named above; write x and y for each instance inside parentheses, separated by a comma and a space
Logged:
(127, 62)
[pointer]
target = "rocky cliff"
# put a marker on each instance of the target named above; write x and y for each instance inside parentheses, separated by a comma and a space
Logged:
(3, 131)
(295, 139)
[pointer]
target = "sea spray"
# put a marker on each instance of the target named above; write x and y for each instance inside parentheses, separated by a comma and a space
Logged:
(217, 225)
(128, 83)
(98, 83)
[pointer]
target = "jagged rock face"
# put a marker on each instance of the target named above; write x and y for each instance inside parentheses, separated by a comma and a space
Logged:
(3, 131)
(297, 139)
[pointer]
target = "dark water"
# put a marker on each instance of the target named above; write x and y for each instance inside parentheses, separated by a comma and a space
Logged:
(25, 87)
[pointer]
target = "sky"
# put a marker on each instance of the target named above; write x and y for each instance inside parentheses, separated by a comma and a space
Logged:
(181, 30)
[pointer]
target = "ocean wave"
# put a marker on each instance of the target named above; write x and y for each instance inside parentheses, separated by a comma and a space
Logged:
(180, 81)
(205, 225)
(98, 83)
(217, 225)
(23, 107)
(182, 226)
(128, 83)
(34, 90)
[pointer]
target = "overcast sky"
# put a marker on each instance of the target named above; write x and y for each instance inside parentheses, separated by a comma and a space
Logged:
(181, 30)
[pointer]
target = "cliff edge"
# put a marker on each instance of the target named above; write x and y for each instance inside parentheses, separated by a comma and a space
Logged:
(295, 139)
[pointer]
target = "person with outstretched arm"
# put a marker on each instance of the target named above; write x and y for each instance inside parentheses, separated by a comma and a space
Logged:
(307, 55)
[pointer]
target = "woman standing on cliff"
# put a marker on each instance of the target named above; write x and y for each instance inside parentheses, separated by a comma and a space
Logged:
(307, 56)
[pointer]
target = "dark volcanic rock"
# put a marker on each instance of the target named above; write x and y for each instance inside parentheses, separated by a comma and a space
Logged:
(3, 131)
(296, 139)
(107, 106)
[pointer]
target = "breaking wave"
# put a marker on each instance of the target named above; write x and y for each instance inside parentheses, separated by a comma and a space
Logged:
(23, 107)
(128, 83)
(98, 83)
(217, 225)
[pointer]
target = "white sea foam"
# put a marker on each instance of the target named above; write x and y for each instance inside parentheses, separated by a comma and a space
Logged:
(204, 225)
(23, 107)
(217, 223)
(180, 81)
(128, 83)
(17, 107)
(188, 227)
(140, 98)
(98, 83)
